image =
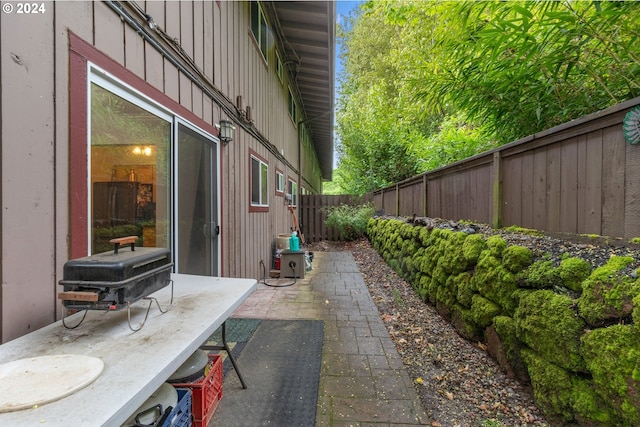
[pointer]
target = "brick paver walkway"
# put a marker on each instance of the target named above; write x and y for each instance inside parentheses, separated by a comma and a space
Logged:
(363, 381)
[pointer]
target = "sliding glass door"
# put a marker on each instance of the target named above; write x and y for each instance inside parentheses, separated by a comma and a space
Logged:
(151, 174)
(196, 201)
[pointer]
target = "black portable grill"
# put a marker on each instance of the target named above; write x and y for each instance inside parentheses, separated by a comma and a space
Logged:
(114, 280)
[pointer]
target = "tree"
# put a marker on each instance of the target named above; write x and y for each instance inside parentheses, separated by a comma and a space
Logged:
(429, 83)
(522, 67)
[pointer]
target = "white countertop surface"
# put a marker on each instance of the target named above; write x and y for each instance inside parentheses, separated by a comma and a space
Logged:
(135, 363)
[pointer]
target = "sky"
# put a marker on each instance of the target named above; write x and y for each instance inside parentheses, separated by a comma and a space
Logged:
(342, 12)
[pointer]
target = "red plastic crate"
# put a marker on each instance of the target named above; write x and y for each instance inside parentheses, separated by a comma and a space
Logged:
(206, 393)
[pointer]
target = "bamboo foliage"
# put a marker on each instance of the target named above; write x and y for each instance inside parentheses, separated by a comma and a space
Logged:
(430, 83)
(522, 67)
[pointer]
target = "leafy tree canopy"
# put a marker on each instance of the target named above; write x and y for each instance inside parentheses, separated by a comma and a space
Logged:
(429, 83)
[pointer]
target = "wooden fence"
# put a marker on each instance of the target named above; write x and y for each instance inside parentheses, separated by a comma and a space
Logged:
(312, 212)
(581, 177)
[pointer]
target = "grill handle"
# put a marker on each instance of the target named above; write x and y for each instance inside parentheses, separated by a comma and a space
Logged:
(123, 241)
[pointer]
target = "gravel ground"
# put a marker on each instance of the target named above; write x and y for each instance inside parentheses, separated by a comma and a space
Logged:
(457, 381)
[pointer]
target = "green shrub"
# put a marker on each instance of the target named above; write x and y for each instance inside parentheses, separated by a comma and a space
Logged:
(349, 221)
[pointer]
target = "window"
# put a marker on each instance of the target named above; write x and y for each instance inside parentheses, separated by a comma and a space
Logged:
(129, 181)
(259, 183)
(292, 189)
(292, 106)
(137, 149)
(279, 183)
(137, 167)
(259, 28)
(279, 68)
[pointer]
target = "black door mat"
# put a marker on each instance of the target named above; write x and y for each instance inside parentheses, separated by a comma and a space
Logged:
(238, 333)
(281, 367)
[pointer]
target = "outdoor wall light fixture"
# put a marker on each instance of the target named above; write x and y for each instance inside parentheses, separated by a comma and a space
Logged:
(226, 129)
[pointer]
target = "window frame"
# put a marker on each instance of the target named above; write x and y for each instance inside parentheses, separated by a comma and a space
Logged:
(84, 60)
(292, 189)
(279, 182)
(279, 68)
(259, 26)
(293, 107)
(261, 206)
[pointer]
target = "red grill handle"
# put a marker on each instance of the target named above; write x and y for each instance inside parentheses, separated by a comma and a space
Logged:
(123, 241)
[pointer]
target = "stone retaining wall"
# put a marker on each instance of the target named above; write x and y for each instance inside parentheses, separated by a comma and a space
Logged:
(566, 327)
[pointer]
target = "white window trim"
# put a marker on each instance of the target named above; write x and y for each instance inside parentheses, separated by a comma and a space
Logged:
(261, 162)
(294, 191)
(279, 182)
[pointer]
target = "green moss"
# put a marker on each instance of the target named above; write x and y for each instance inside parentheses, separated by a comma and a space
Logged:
(589, 407)
(430, 259)
(483, 311)
(566, 398)
(547, 323)
(607, 294)
(505, 327)
(540, 275)
(591, 236)
(423, 287)
(552, 388)
(517, 258)
(464, 289)
(473, 280)
(495, 282)
(613, 355)
(635, 314)
(445, 295)
(473, 245)
(452, 258)
(573, 271)
(522, 230)
(423, 235)
(496, 245)
(463, 322)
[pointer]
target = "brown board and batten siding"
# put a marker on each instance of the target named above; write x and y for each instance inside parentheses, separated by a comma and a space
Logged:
(37, 109)
(580, 177)
(27, 166)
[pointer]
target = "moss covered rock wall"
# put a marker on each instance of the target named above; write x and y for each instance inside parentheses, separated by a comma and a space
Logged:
(571, 331)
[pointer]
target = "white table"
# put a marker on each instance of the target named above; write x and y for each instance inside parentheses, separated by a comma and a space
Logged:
(135, 363)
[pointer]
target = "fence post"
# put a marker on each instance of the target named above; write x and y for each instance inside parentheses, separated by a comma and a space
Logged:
(496, 214)
(397, 200)
(425, 194)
